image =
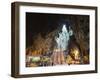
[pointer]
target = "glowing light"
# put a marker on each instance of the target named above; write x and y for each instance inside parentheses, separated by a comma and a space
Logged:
(64, 36)
(64, 28)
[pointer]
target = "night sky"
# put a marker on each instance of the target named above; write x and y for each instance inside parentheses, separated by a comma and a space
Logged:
(43, 23)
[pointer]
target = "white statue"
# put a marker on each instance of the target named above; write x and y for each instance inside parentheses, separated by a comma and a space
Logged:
(64, 36)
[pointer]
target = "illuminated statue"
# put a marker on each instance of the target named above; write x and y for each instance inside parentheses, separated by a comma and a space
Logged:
(62, 43)
(64, 36)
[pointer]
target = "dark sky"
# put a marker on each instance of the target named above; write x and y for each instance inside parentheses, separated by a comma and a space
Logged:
(44, 23)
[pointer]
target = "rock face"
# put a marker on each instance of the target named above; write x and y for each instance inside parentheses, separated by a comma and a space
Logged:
(80, 26)
(44, 44)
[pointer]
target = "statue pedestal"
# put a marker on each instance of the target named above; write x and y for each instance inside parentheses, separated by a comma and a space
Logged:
(58, 57)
